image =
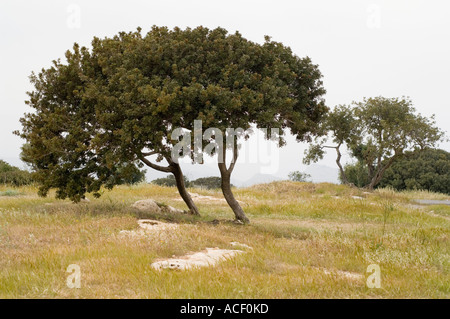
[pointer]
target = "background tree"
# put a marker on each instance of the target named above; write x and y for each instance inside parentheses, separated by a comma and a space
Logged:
(391, 127)
(298, 176)
(11, 175)
(343, 129)
(170, 181)
(384, 129)
(212, 182)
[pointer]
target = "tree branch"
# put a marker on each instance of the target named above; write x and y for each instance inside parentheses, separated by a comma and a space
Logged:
(166, 169)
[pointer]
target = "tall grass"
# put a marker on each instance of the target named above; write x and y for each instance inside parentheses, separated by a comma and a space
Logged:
(303, 235)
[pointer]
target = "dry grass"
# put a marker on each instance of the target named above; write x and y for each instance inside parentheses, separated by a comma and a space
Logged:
(309, 241)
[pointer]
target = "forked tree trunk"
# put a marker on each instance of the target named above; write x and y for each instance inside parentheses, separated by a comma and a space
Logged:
(338, 162)
(341, 169)
(380, 172)
(225, 174)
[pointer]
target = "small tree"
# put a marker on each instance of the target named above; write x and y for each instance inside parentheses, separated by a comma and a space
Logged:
(378, 131)
(298, 176)
(341, 126)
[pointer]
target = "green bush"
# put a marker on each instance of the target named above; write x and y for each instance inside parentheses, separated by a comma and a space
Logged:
(357, 174)
(427, 170)
(10, 192)
(419, 170)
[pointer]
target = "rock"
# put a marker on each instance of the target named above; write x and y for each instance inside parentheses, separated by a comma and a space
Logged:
(151, 206)
(173, 210)
(149, 227)
(147, 205)
(208, 257)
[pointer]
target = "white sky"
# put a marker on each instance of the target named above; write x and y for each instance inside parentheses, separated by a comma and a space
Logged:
(363, 48)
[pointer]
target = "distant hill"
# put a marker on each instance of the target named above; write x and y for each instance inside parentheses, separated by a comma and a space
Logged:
(322, 174)
(258, 179)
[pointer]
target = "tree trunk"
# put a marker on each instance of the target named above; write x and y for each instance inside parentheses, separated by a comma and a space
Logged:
(179, 178)
(379, 174)
(228, 194)
(338, 162)
(175, 169)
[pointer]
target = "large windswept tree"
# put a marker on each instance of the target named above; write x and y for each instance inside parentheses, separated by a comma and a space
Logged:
(120, 102)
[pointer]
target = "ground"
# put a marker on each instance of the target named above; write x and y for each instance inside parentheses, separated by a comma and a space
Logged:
(308, 241)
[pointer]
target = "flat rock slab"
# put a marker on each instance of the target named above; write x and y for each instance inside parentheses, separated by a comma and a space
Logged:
(206, 258)
(148, 227)
(432, 202)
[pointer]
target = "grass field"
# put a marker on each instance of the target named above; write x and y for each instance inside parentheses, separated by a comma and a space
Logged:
(309, 241)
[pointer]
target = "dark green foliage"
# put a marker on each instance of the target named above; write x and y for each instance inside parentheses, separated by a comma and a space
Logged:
(298, 176)
(357, 174)
(212, 182)
(427, 170)
(170, 181)
(129, 173)
(14, 176)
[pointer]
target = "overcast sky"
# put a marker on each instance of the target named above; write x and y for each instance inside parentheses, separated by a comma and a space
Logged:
(363, 48)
